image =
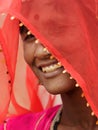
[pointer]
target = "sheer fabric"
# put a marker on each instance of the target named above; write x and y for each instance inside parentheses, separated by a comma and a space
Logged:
(68, 28)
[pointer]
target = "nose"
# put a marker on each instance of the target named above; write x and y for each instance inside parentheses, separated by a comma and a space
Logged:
(41, 51)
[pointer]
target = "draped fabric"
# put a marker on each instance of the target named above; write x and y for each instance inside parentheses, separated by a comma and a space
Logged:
(20, 91)
(68, 28)
(31, 121)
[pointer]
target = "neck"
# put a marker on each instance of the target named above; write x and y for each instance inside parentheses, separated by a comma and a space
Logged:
(75, 112)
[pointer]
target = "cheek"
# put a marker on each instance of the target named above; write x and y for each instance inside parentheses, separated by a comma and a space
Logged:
(28, 54)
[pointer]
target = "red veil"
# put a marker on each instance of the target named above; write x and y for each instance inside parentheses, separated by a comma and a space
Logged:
(68, 28)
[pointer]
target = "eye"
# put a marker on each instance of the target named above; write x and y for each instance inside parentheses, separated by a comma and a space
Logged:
(25, 36)
(29, 38)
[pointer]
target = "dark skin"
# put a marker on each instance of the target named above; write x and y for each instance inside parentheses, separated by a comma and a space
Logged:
(75, 114)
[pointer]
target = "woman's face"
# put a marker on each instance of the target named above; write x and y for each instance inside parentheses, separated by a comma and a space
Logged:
(46, 67)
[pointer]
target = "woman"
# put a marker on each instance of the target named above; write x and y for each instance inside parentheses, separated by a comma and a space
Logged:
(62, 52)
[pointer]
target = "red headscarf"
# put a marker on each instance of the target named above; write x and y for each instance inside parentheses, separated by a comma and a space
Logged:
(68, 28)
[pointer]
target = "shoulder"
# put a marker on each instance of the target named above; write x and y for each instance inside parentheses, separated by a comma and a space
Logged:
(31, 121)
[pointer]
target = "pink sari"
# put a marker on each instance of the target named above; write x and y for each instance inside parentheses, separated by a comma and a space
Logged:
(38, 121)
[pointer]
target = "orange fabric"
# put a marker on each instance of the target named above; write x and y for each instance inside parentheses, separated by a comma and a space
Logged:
(68, 29)
(4, 83)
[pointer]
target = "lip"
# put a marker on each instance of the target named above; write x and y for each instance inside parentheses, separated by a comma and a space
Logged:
(53, 73)
(46, 63)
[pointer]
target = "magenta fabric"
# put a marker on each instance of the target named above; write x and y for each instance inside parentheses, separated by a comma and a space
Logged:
(38, 121)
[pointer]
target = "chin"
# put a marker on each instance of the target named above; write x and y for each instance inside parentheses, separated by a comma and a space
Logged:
(59, 88)
(59, 84)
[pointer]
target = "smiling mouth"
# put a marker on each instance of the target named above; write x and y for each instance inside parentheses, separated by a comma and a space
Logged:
(50, 68)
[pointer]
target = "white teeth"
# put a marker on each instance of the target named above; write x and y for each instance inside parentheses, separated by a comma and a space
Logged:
(51, 68)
